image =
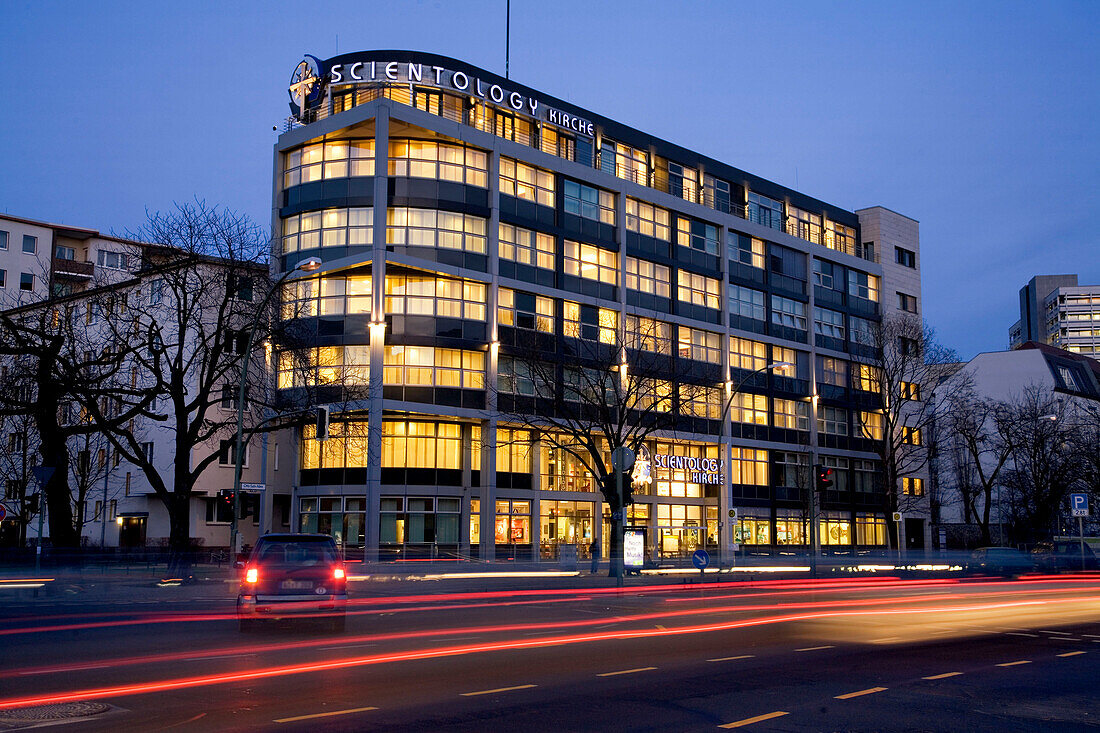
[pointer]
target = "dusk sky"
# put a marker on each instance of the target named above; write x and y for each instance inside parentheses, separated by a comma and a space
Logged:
(977, 119)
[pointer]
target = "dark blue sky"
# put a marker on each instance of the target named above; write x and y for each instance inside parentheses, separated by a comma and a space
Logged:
(977, 119)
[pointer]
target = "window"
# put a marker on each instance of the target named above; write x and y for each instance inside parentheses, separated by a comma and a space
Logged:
(326, 296)
(440, 229)
(227, 454)
(648, 334)
(825, 273)
(589, 322)
(429, 366)
(866, 377)
(832, 371)
(750, 250)
(870, 529)
(870, 425)
(147, 450)
(908, 346)
(834, 529)
(765, 211)
(517, 377)
(526, 182)
(840, 237)
(647, 219)
(321, 365)
(697, 235)
(912, 486)
(791, 469)
(905, 257)
(424, 295)
(698, 289)
(683, 181)
(747, 354)
(746, 407)
(230, 395)
(862, 285)
(624, 161)
(592, 386)
(862, 330)
(652, 394)
(907, 303)
(803, 224)
(700, 345)
(26, 281)
(588, 202)
(30, 244)
(749, 467)
(239, 286)
(329, 228)
(791, 414)
(701, 401)
(910, 391)
(647, 277)
(910, 436)
(829, 323)
(591, 262)
(863, 476)
(112, 260)
(716, 193)
(65, 253)
(832, 420)
(3, 278)
(747, 303)
(525, 246)
(3, 240)
(789, 313)
(840, 471)
(531, 312)
(336, 159)
(442, 161)
(346, 446)
(513, 450)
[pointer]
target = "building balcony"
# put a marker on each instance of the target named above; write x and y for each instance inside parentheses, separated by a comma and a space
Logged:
(73, 269)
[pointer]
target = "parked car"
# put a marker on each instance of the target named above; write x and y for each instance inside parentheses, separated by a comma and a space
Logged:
(1064, 555)
(1006, 561)
(289, 575)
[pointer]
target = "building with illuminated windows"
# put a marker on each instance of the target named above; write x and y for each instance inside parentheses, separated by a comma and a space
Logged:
(456, 214)
(1055, 310)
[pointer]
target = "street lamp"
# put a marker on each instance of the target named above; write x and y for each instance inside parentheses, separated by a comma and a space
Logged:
(310, 264)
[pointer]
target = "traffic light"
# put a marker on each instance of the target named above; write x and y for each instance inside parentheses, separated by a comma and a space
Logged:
(322, 423)
(824, 477)
(250, 505)
(628, 488)
(32, 504)
(225, 498)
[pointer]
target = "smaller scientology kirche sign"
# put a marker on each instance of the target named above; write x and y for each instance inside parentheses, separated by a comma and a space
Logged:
(374, 72)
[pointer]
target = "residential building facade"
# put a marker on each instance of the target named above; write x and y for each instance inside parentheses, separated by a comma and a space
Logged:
(1055, 310)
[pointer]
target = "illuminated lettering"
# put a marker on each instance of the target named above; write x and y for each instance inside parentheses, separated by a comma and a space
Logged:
(391, 70)
(337, 76)
(515, 100)
(477, 87)
(460, 85)
(352, 71)
(496, 94)
(438, 72)
(416, 71)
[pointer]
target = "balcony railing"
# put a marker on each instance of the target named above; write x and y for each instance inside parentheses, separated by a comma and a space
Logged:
(73, 268)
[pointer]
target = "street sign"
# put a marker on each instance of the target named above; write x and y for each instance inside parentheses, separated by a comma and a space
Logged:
(42, 474)
(3, 512)
(253, 487)
(733, 513)
(622, 458)
(633, 549)
(898, 517)
(700, 559)
(1079, 505)
(617, 516)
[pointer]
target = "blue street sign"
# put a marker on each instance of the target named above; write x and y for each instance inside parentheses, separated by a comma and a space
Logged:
(1079, 505)
(42, 474)
(3, 512)
(700, 559)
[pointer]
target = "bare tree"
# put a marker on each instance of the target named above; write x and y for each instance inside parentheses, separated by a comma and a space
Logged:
(902, 364)
(90, 466)
(18, 448)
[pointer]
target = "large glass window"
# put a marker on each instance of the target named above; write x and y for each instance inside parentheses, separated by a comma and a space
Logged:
(832, 371)
(803, 224)
(531, 312)
(678, 481)
(749, 408)
(747, 354)
(832, 420)
(698, 289)
(700, 345)
(750, 250)
(328, 228)
(765, 211)
(327, 296)
(701, 401)
(342, 517)
(753, 530)
(624, 161)
(440, 229)
(426, 295)
(442, 161)
(870, 425)
(648, 334)
(683, 181)
(840, 237)
(591, 262)
(513, 522)
(870, 529)
(789, 313)
(697, 235)
(415, 444)
(346, 365)
(791, 414)
(647, 219)
(749, 467)
(828, 323)
(563, 471)
(336, 159)
(526, 182)
(647, 277)
(835, 529)
(863, 331)
(345, 447)
(588, 202)
(792, 470)
(525, 246)
(791, 527)
(419, 520)
(518, 377)
(862, 285)
(430, 366)
(589, 322)
(747, 303)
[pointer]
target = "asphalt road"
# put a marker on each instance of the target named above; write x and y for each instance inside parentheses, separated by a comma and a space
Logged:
(977, 656)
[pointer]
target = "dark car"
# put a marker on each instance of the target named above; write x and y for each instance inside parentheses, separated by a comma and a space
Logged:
(1064, 555)
(1006, 561)
(290, 575)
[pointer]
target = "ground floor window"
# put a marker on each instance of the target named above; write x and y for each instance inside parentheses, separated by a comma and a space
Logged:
(565, 523)
(835, 529)
(680, 529)
(791, 528)
(413, 520)
(753, 530)
(512, 525)
(343, 517)
(870, 529)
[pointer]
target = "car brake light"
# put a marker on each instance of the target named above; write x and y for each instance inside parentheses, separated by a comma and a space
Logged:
(338, 573)
(251, 575)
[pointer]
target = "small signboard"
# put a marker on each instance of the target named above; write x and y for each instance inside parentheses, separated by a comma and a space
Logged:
(3, 512)
(898, 516)
(1079, 505)
(700, 559)
(732, 513)
(253, 487)
(633, 549)
(567, 557)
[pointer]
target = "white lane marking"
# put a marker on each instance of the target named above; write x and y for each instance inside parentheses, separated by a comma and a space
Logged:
(1020, 633)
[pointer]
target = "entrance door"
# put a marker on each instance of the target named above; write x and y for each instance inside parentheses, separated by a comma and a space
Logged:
(131, 533)
(914, 534)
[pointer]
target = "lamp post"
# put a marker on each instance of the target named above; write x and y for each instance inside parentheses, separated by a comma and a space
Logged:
(310, 264)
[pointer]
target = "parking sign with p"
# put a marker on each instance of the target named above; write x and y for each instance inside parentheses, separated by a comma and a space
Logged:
(1079, 505)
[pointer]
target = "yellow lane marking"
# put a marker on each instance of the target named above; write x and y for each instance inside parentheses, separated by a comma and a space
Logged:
(1013, 664)
(814, 648)
(625, 671)
(724, 659)
(323, 715)
(757, 719)
(499, 689)
(1021, 633)
(662, 628)
(943, 676)
(1069, 654)
(868, 691)
(1047, 631)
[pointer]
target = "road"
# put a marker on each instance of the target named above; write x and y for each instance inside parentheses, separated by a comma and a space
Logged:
(876, 654)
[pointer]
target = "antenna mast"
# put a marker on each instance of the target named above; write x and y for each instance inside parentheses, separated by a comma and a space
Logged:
(507, 37)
